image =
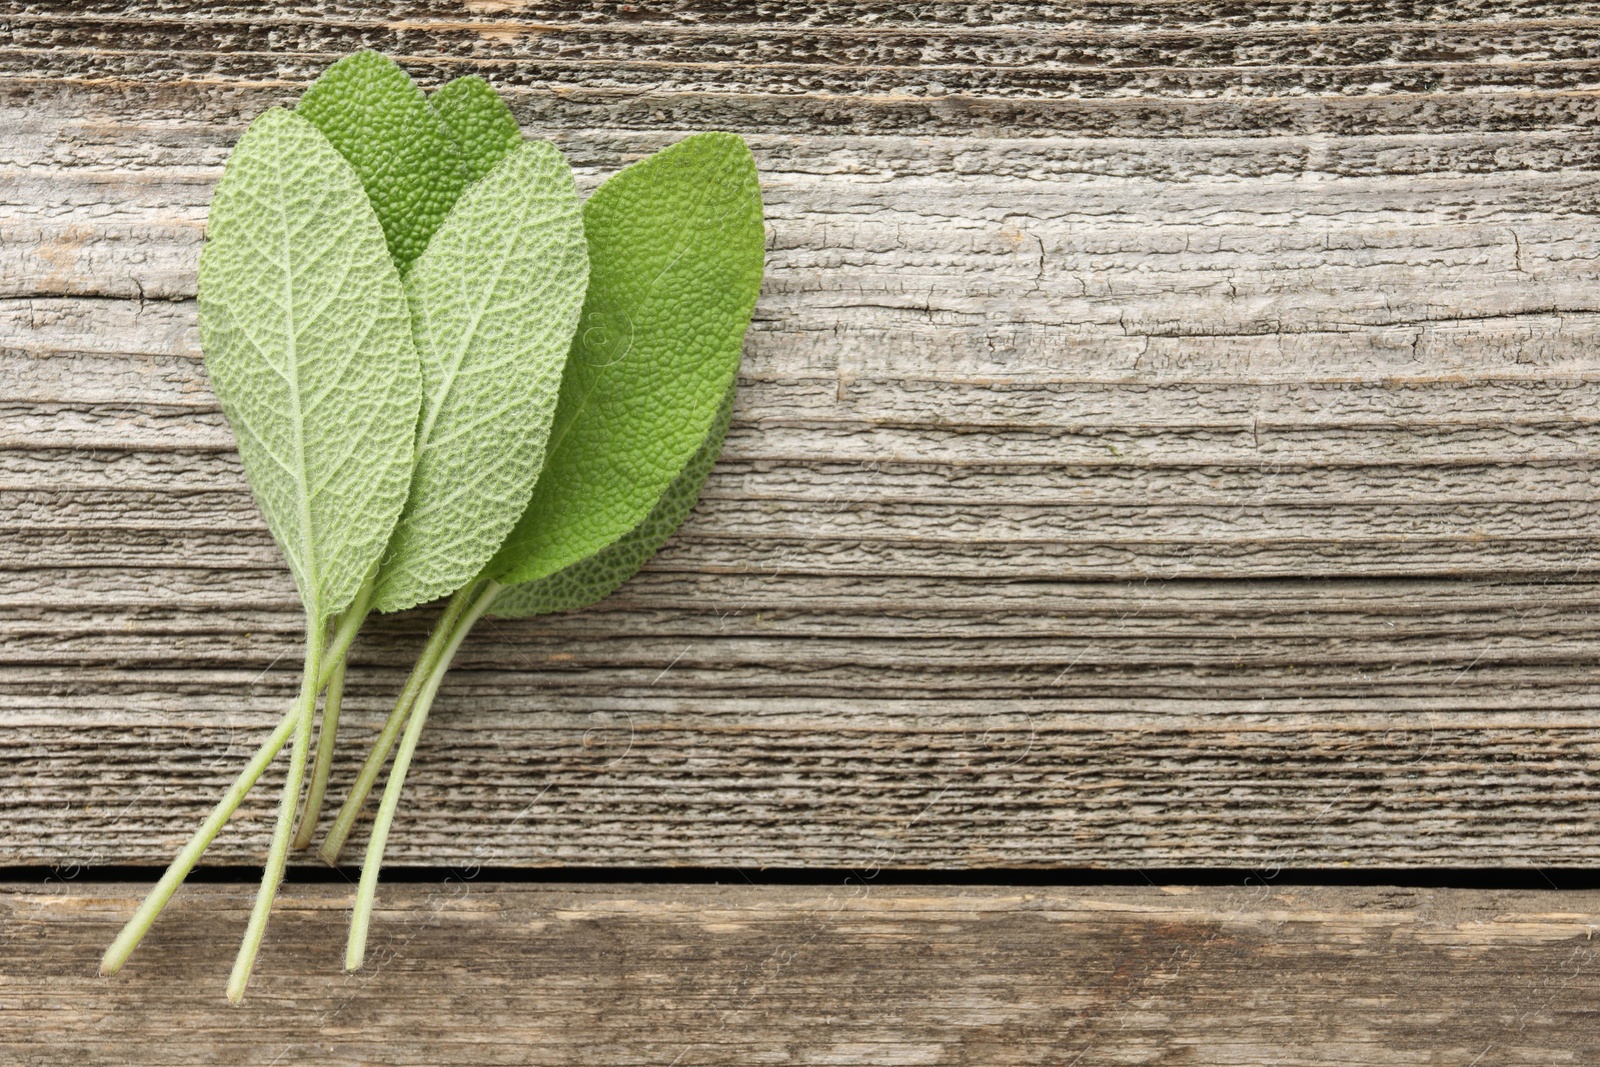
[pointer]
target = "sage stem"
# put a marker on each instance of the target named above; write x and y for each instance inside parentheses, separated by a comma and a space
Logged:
(348, 623)
(189, 855)
(344, 822)
(327, 731)
(361, 917)
(278, 853)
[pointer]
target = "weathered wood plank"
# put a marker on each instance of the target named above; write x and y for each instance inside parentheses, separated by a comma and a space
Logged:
(464, 971)
(727, 720)
(1168, 436)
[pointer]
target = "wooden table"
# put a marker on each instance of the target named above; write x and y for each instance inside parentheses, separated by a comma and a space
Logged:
(1167, 443)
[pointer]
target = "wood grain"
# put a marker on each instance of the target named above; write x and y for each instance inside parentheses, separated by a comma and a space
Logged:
(464, 971)
(1167, 436)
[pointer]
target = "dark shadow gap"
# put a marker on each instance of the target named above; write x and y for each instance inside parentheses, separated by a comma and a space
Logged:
(1522, 878)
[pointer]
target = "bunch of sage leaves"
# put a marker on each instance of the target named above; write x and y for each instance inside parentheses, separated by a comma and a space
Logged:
(448, 377)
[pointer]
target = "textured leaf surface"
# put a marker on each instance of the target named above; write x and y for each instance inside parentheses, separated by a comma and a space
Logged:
(483, 127)
(409, 164)
(307, 341)
(597, 577)
(675, 253)
(494, 301)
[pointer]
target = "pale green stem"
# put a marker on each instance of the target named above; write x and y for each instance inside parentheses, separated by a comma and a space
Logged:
(184, 862)
(278, 853)
(350, 810)
(326, 733)
(349, 623)
(361, 917)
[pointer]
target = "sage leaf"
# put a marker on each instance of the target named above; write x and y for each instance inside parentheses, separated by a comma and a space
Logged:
(593, 579)
(494, 301)
(307, 341)
(675, 252)
(378, 119)
(483, 127)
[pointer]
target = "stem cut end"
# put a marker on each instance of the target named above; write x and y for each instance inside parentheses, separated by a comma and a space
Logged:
(355, 950)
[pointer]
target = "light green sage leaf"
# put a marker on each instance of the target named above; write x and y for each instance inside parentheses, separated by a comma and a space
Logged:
(483, 127)
(675, 253)
(307, 341)
(408, 162)
(494, 301)
(597, 577)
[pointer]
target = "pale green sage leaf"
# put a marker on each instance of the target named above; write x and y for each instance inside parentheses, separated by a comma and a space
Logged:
(307, 341)
(494, 300)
